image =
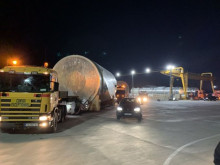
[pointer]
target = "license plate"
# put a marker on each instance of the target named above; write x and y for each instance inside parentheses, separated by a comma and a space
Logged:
(20, 103)
(128, 114)
(30, 124)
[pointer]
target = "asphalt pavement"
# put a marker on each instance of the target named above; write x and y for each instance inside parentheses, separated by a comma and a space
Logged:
(171, 133)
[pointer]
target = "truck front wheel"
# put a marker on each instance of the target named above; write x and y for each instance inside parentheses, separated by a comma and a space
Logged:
(53, 128)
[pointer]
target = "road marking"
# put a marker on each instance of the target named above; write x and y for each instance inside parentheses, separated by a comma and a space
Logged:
(168, 160)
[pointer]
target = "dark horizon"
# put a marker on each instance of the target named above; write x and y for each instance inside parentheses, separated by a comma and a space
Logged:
(119, 36)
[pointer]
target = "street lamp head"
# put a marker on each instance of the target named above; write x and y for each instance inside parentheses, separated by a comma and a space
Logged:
(169, 67)
(118, 74)
(133, 72)
(147, 70)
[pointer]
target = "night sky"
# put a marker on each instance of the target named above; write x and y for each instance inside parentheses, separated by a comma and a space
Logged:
(119, 35)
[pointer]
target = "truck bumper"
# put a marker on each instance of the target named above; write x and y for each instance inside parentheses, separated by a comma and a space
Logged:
(24, 125)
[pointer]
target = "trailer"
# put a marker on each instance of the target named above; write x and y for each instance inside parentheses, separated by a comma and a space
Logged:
(92, 84)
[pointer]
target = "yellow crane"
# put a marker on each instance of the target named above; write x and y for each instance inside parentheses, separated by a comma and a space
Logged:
(179, 72)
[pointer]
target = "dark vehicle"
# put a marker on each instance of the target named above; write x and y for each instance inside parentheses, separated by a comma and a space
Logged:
(209, 97)
(129, 107)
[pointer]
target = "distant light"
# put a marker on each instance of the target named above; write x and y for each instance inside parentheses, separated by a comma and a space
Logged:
(133, 72)
(118, 74)
(215, 86)
(169, 67)
(147, 70)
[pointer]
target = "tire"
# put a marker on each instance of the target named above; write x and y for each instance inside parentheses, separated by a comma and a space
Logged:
(118, 117)
(53, 129)
(139, 118)
(59, 115)
(4, 130)
(62, 114)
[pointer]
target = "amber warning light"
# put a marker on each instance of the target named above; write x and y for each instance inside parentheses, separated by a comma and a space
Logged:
(14, 62)
(46, 64)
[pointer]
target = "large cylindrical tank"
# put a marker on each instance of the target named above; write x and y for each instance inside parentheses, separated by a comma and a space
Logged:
(84, 78)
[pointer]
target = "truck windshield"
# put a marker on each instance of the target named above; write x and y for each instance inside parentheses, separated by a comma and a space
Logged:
(120, 92)
(24, 83)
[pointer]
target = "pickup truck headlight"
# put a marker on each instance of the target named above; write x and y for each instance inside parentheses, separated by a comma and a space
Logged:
(0, 118)
(137, 109)
(119, 109)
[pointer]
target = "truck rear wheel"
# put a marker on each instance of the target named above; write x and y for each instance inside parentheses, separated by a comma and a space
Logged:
(62, 111)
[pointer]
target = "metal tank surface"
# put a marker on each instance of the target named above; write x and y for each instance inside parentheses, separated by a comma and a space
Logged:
(84, 78)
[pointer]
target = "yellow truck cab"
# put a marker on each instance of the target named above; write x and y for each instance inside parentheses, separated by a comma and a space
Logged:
(29, 98)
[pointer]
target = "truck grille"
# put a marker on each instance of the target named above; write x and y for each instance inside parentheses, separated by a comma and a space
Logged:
(20, 110)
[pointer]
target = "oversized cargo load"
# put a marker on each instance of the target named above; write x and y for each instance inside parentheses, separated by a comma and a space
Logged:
(84, 78)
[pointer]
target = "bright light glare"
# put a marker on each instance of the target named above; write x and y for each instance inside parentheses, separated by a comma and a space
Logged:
(133, 72)
(27, 80)
(43, 118)
(14, 62)
(169, 67)
(118, 74)
(144, 99)
(119, 108)
(137, 109)
(215, 86)
(43, 124)
(147, 70)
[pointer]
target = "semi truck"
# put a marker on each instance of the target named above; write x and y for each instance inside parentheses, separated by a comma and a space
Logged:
(122, 90)
(39, 97)
(29, 98)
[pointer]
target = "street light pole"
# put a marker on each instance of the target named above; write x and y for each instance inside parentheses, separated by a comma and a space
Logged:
(171, 85)
(132, 78)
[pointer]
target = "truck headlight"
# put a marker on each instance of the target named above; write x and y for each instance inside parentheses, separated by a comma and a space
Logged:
(137, 109)
(119, 109)
(43, 118)
(139, 99)
(144, 99)
(0, 118)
